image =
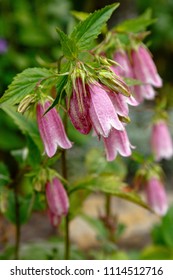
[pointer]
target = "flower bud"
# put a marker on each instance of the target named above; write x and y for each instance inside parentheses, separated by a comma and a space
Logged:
(57, 198)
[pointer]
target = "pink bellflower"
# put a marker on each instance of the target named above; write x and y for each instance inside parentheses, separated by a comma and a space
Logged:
(161, 141)
(117, 142)
(144, 69)
(156, 195)
(51, 129)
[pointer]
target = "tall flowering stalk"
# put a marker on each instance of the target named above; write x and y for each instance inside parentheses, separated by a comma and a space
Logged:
(51, 129)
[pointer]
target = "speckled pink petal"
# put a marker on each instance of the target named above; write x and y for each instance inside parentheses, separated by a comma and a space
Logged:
(102, 112)
(51, 129)
(117, 141)
(144, 67)
(79, 109)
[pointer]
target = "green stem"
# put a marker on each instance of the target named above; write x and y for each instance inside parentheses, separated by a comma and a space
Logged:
(108, 205)
(18, 228)
(65, 175)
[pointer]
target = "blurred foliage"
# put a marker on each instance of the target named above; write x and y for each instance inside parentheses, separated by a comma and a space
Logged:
(29, 28)
(162, 237)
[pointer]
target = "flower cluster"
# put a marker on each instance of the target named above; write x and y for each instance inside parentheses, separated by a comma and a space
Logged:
(102, 105)
(139, 65)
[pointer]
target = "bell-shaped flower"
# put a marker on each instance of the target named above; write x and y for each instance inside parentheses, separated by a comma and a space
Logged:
(142, 92)
(102, 112)
(117, 142)
(79, 107)
(124, 68)
(156, 195)
(57, 198)
(51, 129)
(161, 141)
(144, 68)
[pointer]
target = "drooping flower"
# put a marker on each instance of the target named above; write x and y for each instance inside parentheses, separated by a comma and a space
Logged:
(117, 142)
(142, 92)
(144, 67)
(161, 141)
(156, 195)
(124, 68)
(57, 198)
(51, 129)
(102, 112)
(79, 107)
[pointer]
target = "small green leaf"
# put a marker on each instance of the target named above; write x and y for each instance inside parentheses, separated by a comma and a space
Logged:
(88, 30)
(136, 24)
(27, 126)
(80, 15)
(26, 83)
(69, 47)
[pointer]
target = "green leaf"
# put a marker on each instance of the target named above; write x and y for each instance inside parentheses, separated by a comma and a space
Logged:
(167, 228)
(109, 184)
(80, 15)
(96, 163)
(26, 83)
(157, 253)
(88, 30)
(25, 207)
(136, 24)
(26, 125)
(69, 47)
(4, 175)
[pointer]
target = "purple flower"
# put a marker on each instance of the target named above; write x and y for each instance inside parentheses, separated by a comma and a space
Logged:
(161, 142)
(144, 67)
(51, 129)
(117, 141)
(102, 112)
(57, 199)
(156, 196)
(3, 46)
(79, 108)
